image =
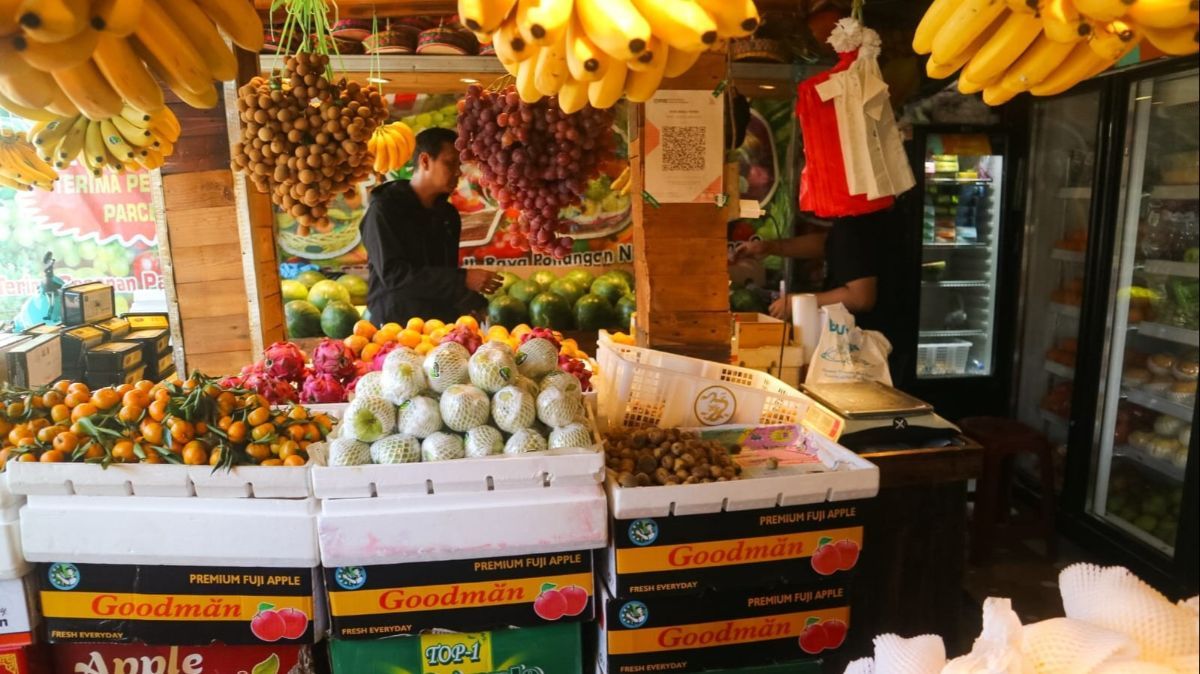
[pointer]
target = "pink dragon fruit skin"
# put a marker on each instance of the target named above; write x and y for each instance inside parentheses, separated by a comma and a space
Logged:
(284, 360)
(377, 361)
(275, 390)
(333, 357)
(322, 387)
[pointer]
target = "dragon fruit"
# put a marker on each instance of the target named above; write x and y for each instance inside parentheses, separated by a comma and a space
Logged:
(275, 390)
(333, 357)
(381, 355)
(543, 333)
(465, 336)
(322, 387)
(284, 360)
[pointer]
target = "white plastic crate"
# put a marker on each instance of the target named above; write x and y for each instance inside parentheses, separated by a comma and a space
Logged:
(644, 387)
(943, 357)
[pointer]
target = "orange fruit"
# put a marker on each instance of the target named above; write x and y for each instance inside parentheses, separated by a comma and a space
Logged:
(410, 338)
(15, 410)
(260, 415)
(106, 398)
(29, 457)
(144, 386)
(158, 410)
(53, 456)
(271, 462)
(195, 453)
(130, 414)
(393, 328)
(79, 387)
(416, 324)
(520, 330)
(423, 348)
(152, 431)
(258, 451)
(135, 397)
(124, 388)
(295, 460)
(60, 413)
(94, 451)
(52, 398)
(122, 452)
(369, 351)
(83, 410)
(365, 329)
(153, 457)
(433, 325)
(48, 433)
(66, 441)
(237, 431)
(356, 343)
(438, 334)
(468, 322)
(61, 386)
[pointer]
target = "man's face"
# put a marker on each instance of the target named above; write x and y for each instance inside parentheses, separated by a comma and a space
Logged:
(442, 171)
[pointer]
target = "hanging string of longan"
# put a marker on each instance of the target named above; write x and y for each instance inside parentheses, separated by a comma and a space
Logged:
(304, 136)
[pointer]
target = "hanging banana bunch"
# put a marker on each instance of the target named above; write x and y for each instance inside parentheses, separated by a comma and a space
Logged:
(21, 168)
(131, 140)
(1045, 47)
(392, 146)
(64, 58)
(596, 51)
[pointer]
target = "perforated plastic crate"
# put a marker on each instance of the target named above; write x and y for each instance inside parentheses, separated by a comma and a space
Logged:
(943, 357)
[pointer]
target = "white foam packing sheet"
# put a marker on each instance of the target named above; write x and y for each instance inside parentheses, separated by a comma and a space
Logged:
(12, 559)
(841, 476)
(440, 527)
(83, 479)
(177, 531)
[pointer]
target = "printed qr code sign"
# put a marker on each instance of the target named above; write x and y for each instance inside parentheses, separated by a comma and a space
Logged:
(683, 148)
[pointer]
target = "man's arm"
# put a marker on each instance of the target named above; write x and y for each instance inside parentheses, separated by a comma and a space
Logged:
(858, 295)
(806, 246)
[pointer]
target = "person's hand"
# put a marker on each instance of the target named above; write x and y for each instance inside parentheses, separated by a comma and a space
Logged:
(750, 250)
(781, 308)
(483, 281)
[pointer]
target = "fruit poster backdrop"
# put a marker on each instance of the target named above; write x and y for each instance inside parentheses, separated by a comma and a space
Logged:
(99, 229)
(599, 225)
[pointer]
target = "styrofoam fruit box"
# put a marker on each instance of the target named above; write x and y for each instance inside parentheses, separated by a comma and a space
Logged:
(139, 479)
(356, 532)
(551, 468)
(830, 473)
(175, 531)
(644, 387)
(7, 496)
(12, 559)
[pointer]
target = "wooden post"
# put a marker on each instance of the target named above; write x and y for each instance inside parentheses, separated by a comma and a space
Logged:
(679, 251)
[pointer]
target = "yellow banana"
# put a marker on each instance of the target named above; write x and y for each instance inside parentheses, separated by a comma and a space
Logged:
(938, 70)
(116, 17)
(641, 85)
(171, 50)
(1041, 59)
(997, 94)
(134, 136)
(681, 24)
(115, 143)
(621, 180)
(482, 16)
(407, 132)
(968, 86)
(1011, 39)
(606, 91)
(1102, 10)
(50, 135)
(383, 157)
(1164, 13)
(151, 160)
(679, 62)
(614, 26)
(585, 61)
(550, 71)
(8, 16)
(126, 73)
(89, 91)
(53, 20)
(166, 118)
(1081, 64)
(510, 46)
(1109, 40)
(135, 116)
(526, 88)
(1026, 6)
(510, 67)
(25, 112)
(203, 35)
(22, 82)
(968, 22)
(931, 24)
(734, 18)
(543, 22)
(162, 133)
(93, 146)
(1174, 41)
(61, 105)
(72, 143)
(572, 96)
(238, 20)
(167, 149)
(1061, 21)
(47, 56)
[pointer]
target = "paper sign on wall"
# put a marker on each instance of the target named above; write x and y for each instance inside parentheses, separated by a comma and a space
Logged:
(683, 145)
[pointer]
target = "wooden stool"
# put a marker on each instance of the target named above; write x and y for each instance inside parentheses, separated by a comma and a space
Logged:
(1003, 440)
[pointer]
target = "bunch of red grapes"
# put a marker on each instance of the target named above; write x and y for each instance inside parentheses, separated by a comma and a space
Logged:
(534, 158)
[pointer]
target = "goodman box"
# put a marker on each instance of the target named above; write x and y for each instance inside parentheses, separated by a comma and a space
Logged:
(796, 517)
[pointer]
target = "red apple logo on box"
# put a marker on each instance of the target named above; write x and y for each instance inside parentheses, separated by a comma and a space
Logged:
(554, 603)
(833, 556)
(271, 624)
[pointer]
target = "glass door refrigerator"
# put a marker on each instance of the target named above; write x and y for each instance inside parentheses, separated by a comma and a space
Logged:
(1108, 362)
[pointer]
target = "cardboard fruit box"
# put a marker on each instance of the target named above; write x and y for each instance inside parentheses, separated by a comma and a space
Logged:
(18, 613)
(555, 649)
(100, 658)
(87, 303)
(730, 629)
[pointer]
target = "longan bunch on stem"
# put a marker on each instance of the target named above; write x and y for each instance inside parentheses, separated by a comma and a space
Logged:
(533, 157)
(304, 138)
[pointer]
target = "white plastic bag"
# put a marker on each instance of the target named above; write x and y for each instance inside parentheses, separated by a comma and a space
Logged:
(847, 353)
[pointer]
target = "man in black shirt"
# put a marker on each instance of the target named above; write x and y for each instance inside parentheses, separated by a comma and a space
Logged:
(411, 232)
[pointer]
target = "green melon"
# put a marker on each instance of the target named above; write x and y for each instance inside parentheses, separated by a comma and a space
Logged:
(509, 279)
(310, 277)
(581, 276)
(525, 290)
(568, 290)
(625, 308)
(593, 312)
(338, 319)
(612, 289)
(357, 287)
(544, 277)
(293, 290)
(324, 292)
(508, 311)
(623, 275)
(550, 311)
(302, 319)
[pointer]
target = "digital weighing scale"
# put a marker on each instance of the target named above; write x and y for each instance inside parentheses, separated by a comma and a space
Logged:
(867, 414)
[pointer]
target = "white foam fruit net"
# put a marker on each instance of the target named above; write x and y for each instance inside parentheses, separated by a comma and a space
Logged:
(1065, 646)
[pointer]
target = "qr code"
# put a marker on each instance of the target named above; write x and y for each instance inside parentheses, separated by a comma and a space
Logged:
(683, 148)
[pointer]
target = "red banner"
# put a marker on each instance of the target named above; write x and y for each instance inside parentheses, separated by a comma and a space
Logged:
(110, 208)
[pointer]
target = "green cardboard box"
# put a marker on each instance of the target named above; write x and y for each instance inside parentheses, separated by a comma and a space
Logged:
(555, 649)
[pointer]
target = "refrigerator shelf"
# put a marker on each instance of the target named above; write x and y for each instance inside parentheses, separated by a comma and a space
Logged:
(958, 181)
(1179, 192)
(1074, 193)
(1164, 467)
(956, 284)
(1169, 333)
(963, 246)
(1147, 538)
(1059, 370)
(1172, 268)
(1063, 255)
(935, 334)
(1069, 310)
(1160, 405)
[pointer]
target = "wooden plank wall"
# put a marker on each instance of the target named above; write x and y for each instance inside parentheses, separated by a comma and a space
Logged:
(201, 249)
